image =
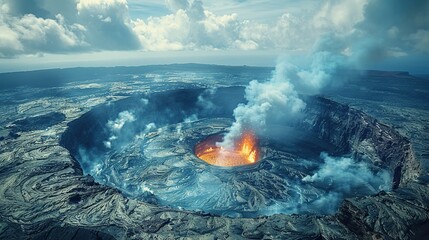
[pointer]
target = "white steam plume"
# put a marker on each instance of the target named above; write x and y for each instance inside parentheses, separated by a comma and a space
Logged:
(116, 126)
(344, 46)
(344, 174)
(278, 101)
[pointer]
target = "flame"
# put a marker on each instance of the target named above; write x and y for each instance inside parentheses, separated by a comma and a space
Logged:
(245, 151)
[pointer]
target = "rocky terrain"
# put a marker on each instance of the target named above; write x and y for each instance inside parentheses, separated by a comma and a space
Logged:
(350, 129)
(45, 195)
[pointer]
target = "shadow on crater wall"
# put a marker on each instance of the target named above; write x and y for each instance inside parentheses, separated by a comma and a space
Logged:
(326, 126)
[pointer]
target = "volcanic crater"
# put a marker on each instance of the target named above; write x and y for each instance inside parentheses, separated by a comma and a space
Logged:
(160, 148)
(130, 169)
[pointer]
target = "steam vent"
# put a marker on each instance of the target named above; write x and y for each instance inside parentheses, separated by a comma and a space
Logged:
(123, 155)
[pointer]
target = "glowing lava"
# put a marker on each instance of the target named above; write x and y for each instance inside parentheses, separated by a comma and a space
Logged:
(245, 152)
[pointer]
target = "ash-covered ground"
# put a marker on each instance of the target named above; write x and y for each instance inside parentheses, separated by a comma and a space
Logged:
(46, 194)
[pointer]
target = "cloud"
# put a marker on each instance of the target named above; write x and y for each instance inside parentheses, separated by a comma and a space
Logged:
(67, 26)
(163, 33)
(420, 40)
(41, 8)
(176, 5)
(390, 29)
(47, 35)
(22, 7)
(9, 42)
(338, 15)
(360, 29)
(343, 39)
(188, 27)
(107, 24)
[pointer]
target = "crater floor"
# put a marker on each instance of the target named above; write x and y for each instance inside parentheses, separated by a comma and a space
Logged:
(152, 159)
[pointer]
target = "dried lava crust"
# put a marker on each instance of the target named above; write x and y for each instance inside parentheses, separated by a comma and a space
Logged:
(56, 200)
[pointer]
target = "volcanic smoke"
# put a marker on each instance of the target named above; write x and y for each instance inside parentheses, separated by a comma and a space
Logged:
(277, 101)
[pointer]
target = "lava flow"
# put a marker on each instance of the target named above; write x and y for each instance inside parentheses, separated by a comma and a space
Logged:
(245, 152)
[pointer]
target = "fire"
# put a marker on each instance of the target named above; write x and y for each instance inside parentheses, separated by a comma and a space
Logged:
(245, 152)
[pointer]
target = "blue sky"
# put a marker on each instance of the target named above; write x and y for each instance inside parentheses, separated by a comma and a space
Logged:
(368, 33)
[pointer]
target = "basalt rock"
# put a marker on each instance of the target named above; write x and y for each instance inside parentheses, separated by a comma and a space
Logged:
(45, 195)
(352, 130)
(38, 122)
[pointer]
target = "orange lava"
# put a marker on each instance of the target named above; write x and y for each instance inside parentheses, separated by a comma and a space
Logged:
(246, 151)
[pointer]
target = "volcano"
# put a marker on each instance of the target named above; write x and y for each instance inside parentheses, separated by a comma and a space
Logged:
(120, 161)
(158, 154)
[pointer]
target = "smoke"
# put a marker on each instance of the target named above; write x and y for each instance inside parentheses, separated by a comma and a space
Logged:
(279, 101)
(344, 174)
(337, 178)
(342, 177)
(205, 100)
(264, 102)
(366, 40)
(350, 44)
(116, 126)
(122, 128)
(123, 117)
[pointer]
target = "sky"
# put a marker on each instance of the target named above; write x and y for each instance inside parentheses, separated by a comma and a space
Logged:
(375, 34)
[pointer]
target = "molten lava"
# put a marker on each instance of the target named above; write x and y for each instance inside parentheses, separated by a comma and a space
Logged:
(245, 152)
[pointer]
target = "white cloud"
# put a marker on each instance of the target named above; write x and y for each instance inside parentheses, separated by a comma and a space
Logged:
(355, 26)
(190, 27)
(9, 42)
(163, 33)
(31, 34)
(339, 15)
(46, 26)
(47, 35)
(391, 29)
(108, 24)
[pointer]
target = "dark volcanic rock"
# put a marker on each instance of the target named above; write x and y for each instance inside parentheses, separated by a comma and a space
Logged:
(38, 122)
(44, 195)
(73, 233)
(352, 130)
